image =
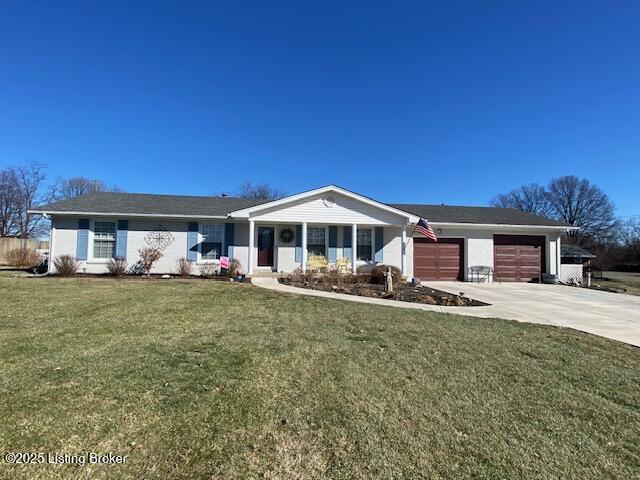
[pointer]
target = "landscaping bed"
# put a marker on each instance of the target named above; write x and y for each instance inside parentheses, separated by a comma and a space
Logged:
(405, 292)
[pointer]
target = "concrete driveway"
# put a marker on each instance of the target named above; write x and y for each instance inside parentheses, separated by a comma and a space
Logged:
(611, 315)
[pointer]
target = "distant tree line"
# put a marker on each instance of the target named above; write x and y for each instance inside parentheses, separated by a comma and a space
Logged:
(20, 189)
(24, 187)
(260, 191)
(580, 203)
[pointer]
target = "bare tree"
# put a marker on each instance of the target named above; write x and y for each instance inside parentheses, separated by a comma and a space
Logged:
(21, 189)
(76, 186)
(8, 202)
(578, 202)
(570, 200)
(260, 191)
(530, 198)
(630, 240)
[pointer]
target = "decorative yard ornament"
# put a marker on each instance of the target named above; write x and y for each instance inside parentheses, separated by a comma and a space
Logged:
(388, 280)
(159, 237)
(286, 235)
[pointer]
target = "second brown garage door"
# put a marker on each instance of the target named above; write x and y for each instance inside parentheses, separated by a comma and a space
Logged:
(441, 260)
(518, 258)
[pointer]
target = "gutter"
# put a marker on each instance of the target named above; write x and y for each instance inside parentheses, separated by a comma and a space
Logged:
(47, 214)
(503, 225)
(121, 214)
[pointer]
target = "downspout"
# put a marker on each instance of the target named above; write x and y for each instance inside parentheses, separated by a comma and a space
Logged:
(51, 234)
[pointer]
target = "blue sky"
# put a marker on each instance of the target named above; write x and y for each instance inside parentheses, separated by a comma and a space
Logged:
(424, 102)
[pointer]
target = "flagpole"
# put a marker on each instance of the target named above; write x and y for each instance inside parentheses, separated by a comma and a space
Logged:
(412, 232)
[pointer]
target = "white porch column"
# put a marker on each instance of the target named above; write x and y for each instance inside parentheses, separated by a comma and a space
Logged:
(558, 256)
(403, 234)
(304, 247)
(252, 229)
(354, 247)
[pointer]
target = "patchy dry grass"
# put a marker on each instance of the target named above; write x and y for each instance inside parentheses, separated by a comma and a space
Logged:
(629, 281)
(194, 379)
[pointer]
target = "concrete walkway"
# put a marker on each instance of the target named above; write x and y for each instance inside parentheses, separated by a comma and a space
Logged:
(611, 315)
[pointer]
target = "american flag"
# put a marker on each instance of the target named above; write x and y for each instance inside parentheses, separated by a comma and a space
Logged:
(425, 229)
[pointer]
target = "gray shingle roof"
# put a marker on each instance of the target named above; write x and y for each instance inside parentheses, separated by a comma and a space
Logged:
(484, 215)
(197, 206)
(567, 250)
(149, 204)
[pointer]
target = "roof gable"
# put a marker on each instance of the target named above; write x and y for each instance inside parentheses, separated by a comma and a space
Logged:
(315, 193)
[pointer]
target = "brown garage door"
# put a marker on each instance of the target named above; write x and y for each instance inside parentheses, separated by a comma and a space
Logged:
(518, 258)
(441, 260)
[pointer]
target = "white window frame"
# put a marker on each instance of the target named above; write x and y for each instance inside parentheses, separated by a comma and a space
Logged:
(373, 245)
(91, 237)
(201, 238)
(326, 239)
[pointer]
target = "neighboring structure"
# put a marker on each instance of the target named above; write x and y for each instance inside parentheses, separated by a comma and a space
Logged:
(279, 236)
(574, 261)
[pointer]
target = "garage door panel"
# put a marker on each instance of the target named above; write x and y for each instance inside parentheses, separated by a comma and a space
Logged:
(521, 261)
(442, 260)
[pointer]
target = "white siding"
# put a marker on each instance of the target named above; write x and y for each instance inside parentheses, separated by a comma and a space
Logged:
(66, 237)
(241, 245)
(478, 244)
(346, 211)
(285, 253)
(138, 229)
(392, 250)
(67, 233)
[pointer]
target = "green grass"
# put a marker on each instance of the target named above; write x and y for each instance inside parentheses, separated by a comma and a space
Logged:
(629, 281)
(194, 379)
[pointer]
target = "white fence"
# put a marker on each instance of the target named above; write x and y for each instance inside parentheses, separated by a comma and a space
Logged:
(571, 273)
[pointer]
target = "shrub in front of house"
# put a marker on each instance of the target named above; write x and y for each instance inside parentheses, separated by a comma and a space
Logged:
(235, 268)
(379, 272)
(148, 257)
(209, 270)
(117, 267)
(26, 258)
(66, 265)
(184, 267)
(362, 276)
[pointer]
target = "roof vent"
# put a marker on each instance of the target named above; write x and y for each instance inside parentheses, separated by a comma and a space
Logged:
(329, 200)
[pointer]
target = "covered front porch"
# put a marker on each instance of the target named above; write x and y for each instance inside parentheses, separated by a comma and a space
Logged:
(287, 247)
(328, 222)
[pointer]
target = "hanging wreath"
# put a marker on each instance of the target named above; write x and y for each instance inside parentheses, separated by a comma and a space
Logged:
(286, 235)
(159, 237)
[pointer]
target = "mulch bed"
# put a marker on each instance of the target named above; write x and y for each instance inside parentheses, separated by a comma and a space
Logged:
(404, 292)
(607, 289)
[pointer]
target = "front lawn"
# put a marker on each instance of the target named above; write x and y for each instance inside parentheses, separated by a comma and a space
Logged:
(196, 379)
(630, 281)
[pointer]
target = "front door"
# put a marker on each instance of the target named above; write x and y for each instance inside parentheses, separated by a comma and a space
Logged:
(265, 246)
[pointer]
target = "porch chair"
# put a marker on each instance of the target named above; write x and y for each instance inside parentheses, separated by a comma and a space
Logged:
(343, 265)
